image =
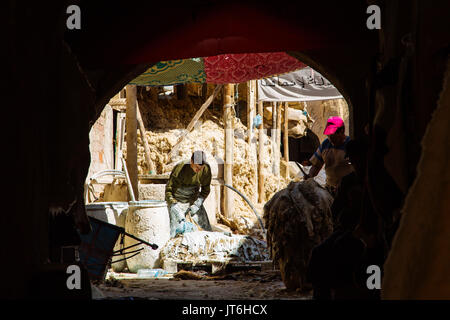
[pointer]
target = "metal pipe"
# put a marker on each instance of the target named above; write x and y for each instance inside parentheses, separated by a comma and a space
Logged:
(130, 187)
(95, 176)
(301, 168)
(154, 246)
(249, 203)
(106, 172)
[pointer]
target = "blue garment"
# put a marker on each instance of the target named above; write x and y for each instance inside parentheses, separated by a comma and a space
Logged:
(185, 227)
(326, 144)
(257, 120)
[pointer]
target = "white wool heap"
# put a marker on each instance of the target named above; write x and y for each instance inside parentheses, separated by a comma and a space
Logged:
(205, 246)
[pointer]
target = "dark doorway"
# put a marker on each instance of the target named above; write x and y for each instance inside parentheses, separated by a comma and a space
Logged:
(303, 148)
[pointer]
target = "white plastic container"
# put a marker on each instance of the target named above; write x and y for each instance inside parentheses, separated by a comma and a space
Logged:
(113, 213)
(148, 220)
(151, 273)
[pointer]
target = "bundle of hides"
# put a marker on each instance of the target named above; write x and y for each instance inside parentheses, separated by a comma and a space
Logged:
(297, 219)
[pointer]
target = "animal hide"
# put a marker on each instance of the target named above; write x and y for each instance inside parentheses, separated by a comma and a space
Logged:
(297, 219)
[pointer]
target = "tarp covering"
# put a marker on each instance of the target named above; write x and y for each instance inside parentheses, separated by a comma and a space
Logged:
(220, 69)
(173, 72)
(301, 85)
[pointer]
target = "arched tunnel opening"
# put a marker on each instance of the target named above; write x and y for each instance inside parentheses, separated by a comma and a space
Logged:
(166, 111)
(394, 80)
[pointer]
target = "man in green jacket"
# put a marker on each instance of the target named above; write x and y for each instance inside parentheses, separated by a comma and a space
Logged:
(186, 190)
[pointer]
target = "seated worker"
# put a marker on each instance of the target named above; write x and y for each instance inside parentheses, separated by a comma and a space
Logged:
(186, 190)
(331, 153)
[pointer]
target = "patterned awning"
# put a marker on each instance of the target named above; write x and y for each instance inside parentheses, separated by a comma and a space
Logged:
(221, 69)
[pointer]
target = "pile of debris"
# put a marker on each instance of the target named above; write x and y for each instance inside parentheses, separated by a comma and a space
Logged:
(297, 219)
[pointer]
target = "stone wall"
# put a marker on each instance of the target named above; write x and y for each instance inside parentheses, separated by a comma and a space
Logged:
(101, 143)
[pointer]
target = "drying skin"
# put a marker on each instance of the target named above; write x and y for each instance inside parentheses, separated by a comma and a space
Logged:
(297, 219)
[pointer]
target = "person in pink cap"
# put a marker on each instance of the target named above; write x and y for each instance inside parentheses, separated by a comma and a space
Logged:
(331, 153)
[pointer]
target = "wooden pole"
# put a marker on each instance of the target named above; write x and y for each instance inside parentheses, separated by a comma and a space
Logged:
(251, 113)
(229, 140)
(196, 117)
(286, 139)
(131, 123)
(251, 106)
(148, 159)
(273, 137)
(278, 144)
(261, 155)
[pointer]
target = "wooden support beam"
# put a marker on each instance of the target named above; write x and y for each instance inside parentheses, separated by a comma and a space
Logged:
(228, 118)
(196, 117)
(261, 155)
(273, 137)
(286, 139)
(148, 159)
(131, 137)
(278, 140)
(251, 108)
(251, 113)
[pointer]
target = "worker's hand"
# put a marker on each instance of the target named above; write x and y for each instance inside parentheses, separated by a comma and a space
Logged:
(194, 209)
(178, 212)
(199, 202)
(196, 205)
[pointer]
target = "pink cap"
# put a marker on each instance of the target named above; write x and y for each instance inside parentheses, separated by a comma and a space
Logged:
(333, 124)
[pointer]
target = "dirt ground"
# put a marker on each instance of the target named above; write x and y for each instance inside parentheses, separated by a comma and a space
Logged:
(242, 285)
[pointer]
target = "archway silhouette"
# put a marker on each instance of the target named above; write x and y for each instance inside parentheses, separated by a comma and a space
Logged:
(75, 73)
(314, 34)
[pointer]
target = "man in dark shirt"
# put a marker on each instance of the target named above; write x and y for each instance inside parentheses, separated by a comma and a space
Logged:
(186, 190)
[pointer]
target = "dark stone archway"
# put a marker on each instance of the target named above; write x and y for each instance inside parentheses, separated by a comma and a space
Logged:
(60, 81)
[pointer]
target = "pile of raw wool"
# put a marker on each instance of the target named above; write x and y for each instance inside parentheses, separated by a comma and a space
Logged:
(204, 246)
(208, 135)
(297, 219)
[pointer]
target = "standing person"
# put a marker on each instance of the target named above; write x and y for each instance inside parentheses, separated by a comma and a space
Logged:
(331, 153)
(186, 190)
(335, 266)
